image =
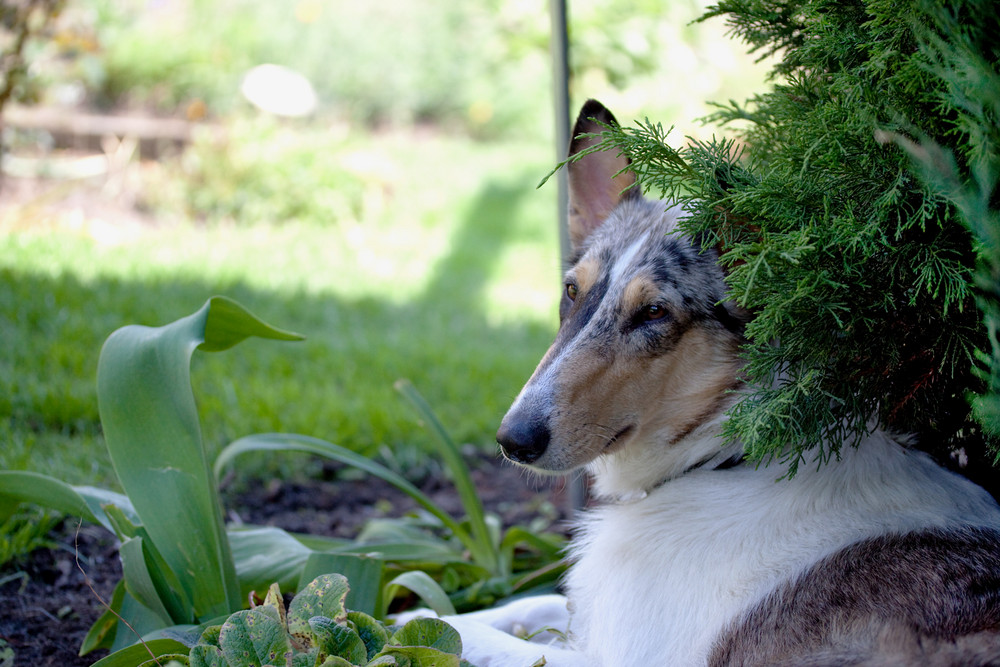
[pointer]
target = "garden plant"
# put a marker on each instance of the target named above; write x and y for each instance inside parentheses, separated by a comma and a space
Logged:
(856, 205)
(183, 568)
(316, 629)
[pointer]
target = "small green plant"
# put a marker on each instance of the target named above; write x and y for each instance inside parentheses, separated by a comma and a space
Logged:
(316, 629)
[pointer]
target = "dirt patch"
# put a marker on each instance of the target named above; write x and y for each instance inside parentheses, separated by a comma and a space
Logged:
(50, 603)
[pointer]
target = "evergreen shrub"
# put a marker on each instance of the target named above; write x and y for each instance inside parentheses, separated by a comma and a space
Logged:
(855, 203)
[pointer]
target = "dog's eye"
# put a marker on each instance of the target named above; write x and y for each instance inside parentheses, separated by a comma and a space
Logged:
(653, 312)
(571, 291)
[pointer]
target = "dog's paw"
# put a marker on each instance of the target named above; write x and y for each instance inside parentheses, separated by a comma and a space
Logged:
(543, 617)
(523, 633)
(486, 646)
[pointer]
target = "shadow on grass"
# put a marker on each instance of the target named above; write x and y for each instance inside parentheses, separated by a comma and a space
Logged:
(337, 385)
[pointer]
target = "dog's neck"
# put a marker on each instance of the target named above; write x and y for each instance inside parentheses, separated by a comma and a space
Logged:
(633, 473)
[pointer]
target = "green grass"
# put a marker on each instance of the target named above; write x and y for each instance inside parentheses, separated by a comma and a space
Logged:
(447, 277)
(23, 532)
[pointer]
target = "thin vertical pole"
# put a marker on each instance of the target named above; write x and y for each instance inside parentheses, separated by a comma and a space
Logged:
(560, 96)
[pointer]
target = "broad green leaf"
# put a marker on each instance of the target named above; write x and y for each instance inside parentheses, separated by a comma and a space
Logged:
(421, 656)
(363, 572)
(52, 493)
(437, 553)
(251, 638)
(124, 527)
(413, 554)
(430, 632)
(266, 555)
(403, 529)
(426, 588)
(148, 586)
(186, 633)
(274, 601)
(210, 636)
(372, 633)
(550, 545)
(138, 620)
(204, 655)
(336, 661)
(484, 544)
(230, 324)
(324, 596)
(152, 432)
(102, 632)
(338, 640)
(307, 658)
(138, 654)
(286, 442)
(321, 542)
(537, 580)
(167, 584)
(168, 660)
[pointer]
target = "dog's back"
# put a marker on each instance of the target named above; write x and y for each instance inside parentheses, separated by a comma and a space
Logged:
(928, 597)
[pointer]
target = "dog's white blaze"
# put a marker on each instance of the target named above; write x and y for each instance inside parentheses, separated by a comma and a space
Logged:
(624, 262)
(542, 387)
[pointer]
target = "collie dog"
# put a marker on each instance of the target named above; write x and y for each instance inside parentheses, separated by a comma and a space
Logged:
(694, 556)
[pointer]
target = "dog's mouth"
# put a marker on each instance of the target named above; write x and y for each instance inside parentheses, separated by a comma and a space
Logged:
(618, 440)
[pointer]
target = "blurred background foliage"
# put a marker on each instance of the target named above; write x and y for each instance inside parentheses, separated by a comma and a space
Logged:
(481, 68)
(397, 226)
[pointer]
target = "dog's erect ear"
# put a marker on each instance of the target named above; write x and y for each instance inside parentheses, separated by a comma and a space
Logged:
(595, 184)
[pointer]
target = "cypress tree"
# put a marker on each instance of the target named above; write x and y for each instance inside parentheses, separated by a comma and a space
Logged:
(855, 203)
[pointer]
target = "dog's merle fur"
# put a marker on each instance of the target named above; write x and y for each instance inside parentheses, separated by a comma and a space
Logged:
(878, 558)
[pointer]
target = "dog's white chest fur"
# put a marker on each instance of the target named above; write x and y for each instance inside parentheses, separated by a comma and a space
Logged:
(657, 580)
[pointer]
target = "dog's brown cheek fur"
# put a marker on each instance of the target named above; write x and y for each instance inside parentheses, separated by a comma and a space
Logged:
(669, 394)
(702, 369)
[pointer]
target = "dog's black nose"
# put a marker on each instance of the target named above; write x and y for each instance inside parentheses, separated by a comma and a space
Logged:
(523, 441)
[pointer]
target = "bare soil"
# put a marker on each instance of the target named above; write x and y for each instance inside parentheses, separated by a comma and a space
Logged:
(48, 604)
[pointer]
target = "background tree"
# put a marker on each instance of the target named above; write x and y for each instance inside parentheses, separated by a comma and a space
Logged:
(20, 20)
(856, 204)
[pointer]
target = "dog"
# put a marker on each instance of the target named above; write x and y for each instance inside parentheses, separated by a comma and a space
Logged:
(695, 556)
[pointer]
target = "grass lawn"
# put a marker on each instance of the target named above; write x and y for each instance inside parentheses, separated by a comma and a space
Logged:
(447, 276)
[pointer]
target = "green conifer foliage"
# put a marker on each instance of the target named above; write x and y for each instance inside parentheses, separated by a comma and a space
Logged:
(856, 205)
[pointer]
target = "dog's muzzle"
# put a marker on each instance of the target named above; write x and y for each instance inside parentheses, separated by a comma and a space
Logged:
(523, 440)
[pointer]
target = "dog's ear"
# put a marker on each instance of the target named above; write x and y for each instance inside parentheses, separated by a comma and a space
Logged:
(597, 182)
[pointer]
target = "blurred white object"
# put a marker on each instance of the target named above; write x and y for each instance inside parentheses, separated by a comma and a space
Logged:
(279, 90)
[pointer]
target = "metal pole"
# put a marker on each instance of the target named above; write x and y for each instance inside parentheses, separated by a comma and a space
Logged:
(560, 95)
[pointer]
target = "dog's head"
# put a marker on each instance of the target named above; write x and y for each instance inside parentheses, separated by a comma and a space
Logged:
(646, 350)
